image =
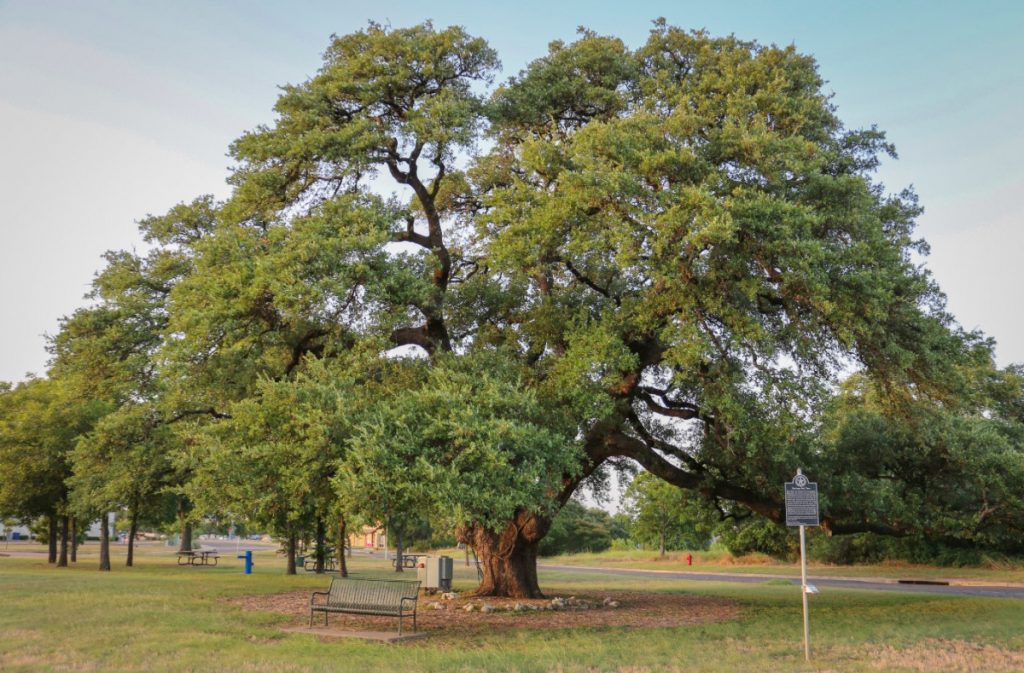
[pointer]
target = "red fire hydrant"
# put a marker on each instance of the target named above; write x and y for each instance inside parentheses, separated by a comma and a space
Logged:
(689, 559)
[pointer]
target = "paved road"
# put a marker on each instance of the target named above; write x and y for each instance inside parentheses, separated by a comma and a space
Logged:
(230, 546)
(864, 584)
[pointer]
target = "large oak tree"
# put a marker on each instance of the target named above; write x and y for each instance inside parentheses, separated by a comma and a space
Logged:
(678, 247)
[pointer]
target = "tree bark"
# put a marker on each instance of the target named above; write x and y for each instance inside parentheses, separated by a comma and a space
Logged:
(342, 544)
(661, 540)
(508, 558)
(398, 552)
(104, 542)
(52, 539)
(131, 535)
(74, 539)
(290, 550)
(321, 540)
(62, 560)
(186, 536)
(186, 526)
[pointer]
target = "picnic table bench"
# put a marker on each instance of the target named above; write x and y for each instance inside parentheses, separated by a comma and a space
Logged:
(198, 557)
(389, 598)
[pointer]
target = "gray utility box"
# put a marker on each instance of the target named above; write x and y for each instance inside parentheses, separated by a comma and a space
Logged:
(435, 572)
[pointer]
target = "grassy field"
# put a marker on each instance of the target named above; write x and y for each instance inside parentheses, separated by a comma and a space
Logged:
(159, 617)
(724, 562)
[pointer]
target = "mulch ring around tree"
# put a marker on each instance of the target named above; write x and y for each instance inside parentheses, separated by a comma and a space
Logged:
(455, 617)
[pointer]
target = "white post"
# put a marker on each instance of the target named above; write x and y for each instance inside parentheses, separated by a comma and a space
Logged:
(803, 587)
(803, 590)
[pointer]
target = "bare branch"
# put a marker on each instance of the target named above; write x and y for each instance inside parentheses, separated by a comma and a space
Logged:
(588, 282)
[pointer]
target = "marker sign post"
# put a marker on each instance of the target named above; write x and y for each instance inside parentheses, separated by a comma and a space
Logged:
(802, 511)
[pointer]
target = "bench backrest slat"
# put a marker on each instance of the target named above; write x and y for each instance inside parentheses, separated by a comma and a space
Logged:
(353, 591)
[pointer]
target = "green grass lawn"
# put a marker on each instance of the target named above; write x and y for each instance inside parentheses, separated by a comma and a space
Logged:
(721, 562)
(159, 617)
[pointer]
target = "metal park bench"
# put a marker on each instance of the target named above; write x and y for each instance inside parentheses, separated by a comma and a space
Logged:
(389, 598)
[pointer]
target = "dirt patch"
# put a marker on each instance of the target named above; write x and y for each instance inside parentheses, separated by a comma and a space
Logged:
(635, 609)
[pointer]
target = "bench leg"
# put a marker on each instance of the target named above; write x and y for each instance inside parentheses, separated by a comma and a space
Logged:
(399, 624)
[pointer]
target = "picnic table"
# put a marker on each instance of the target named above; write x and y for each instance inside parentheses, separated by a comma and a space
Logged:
(198, 557)
(330, 563)
(408, 560)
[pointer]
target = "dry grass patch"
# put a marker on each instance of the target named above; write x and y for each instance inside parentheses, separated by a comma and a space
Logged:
(22, 635)
(949, 656)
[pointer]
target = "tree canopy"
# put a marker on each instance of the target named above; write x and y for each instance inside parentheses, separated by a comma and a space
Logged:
(667, 517)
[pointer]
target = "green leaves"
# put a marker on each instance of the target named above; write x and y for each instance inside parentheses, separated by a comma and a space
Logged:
(41, 421)
(667, 517)
(381, 95)
(271, 461)
(949, 474)
(569, 87)
(465, 442)
(125, 459)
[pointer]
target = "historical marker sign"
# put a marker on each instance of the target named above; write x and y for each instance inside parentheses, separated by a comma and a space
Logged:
(801, 502)
(802, 511)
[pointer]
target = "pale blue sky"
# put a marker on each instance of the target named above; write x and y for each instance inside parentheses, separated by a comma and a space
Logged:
(111, 110)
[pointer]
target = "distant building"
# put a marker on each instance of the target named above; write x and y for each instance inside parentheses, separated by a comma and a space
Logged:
(14, 532)
(93, 532)
(370, 537)
(23, 533)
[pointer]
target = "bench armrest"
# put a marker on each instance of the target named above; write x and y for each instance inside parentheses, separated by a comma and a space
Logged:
(401, 603)
(312, 597)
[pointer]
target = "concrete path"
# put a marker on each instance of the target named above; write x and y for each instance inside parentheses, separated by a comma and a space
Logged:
(955, 588)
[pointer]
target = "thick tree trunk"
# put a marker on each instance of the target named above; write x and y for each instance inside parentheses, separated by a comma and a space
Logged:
(74, 539)
(290, 549)
(186, 526)
(51, 535)
(342, 544)
(62, 558)
(321, 541)
(104, 542)
(131, 536)
(186, 537)
(399, 551)
(508, 558)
